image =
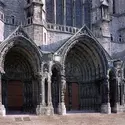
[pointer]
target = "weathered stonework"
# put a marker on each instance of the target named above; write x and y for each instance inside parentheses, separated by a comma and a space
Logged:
(49, 48)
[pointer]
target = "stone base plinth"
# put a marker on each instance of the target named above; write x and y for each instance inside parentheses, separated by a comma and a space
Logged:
(44, 110)
(62, 109)
(121, 108)
(105, 108)
(115, 109)
(2, 110)
(49, 110)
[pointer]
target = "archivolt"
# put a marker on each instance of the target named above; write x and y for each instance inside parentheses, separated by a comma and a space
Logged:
(17, 63)
(24, 46)
(89, 55)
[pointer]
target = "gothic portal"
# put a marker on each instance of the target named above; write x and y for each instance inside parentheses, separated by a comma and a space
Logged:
(20, 84)
(61, 56)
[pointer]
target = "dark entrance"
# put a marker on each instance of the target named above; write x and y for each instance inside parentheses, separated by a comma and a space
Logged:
(84, 70)
(15, 95)
(55, 88)
(19, 86)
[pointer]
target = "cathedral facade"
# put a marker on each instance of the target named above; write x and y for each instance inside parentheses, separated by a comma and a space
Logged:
(58, 56)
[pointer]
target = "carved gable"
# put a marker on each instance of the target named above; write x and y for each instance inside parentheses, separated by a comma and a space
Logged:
(83, 31)
(19, 31)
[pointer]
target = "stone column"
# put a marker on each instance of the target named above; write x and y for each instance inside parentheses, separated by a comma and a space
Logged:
(61, 107)
(49, 110)
(2, 108)
(122, 87)
(47, 80)
(40, 110)
(116, 80)
(117, 92)
(115, 109)
(105, 107)
(121, 93)
(42, 93)
(49, 91)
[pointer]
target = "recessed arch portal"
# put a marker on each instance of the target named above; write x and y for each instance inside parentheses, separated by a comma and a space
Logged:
(20, 64)
(85, 66)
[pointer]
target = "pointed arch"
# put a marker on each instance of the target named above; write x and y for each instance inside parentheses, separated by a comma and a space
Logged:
(86, 64)
(86, 44)
(26, 46)
(20, 66)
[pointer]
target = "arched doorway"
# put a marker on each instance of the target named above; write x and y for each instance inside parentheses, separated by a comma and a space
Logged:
(20, 86)
(18, 76)
(85, 67)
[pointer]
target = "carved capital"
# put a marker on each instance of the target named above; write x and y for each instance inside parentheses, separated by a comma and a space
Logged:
(38, 75)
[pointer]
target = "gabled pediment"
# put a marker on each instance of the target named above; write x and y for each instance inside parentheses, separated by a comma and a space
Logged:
(82, 31)
(19, 31)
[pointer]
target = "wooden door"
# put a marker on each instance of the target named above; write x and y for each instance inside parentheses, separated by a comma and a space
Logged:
(67, 97)
(72, 96)
(75, 96)
(15, 95)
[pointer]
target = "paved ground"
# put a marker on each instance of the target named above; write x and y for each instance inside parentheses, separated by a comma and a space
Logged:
(69, 119)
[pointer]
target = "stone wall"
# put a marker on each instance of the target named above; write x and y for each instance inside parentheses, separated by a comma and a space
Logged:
(54, 40)
(105, 42)
(119, 6)
(15, 8)
(56, 36)
(118, 50)
(14, 15)
(40, 35)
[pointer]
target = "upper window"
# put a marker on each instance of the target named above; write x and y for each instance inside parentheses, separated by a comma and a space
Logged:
(50, 11)
(120, 38)
(1, 16)
(13, 19)
(114, 11)
(69, 12)
(59, 12)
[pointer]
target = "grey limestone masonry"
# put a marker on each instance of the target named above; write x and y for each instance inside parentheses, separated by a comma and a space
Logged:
(15, 12)
(48, 25)
(54, 37)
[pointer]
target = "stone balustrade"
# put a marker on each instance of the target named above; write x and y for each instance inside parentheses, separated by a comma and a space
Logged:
(49, 26)
(62, 28)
